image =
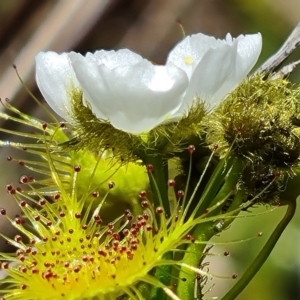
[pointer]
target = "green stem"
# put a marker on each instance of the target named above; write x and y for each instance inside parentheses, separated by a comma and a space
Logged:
(228, 187)
(144, 289)
(163, 274)
(185, 289)
(204, 232)
(263, 255)
(214, 184)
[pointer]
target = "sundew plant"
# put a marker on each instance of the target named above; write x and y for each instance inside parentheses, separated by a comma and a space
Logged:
(121, 199)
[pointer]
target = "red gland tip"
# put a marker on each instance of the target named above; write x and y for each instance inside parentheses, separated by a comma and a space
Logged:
(142, 194)
(171, 182)
(111, 185)
(191, 148)
(180, 194)
(149, 168)
(77, 168)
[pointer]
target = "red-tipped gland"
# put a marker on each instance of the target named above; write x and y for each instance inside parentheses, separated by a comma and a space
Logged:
(44, 126)
(171, 182)
(9, 158)
(95, 194)
(9, 187)
(18, 221)
(111, 185)
(77, 168)
(190, 238)
(42, 202)
(23, 203)
(180, 194)
(143, 194)
(77, 215)
(234, 276)
(127, 212)
(18, 238)
(145, 204)
(191, 148)
(215, 147)
(159, 210)
(226, 253)
(129, 217)
(23, 179)
(116, 236)
(37, 218)
(149, 228)
(56, 197)
(97, 218)
(2, 211)
(125, 232)
(149, 168)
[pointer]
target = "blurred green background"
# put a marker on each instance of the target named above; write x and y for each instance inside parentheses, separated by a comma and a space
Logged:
(150, 28)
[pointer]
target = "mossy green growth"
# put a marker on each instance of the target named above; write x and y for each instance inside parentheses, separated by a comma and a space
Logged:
(93, 133)
(259, 123)
(260, 118)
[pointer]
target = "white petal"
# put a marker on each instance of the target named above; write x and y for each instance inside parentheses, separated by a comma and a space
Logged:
(188, 53)
(221, 68)
(214, 76)
(113, 59)
(134, 98)
(249, 48)
(54, 77)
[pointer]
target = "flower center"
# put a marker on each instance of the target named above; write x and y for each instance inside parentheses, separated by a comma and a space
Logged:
(188, 60)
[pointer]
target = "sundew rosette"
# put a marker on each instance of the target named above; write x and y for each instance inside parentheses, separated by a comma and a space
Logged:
(118, 95)
(65, 252)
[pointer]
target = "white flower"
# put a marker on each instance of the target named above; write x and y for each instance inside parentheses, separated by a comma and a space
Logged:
(135, 95)
(214, 67)
(130, 92)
